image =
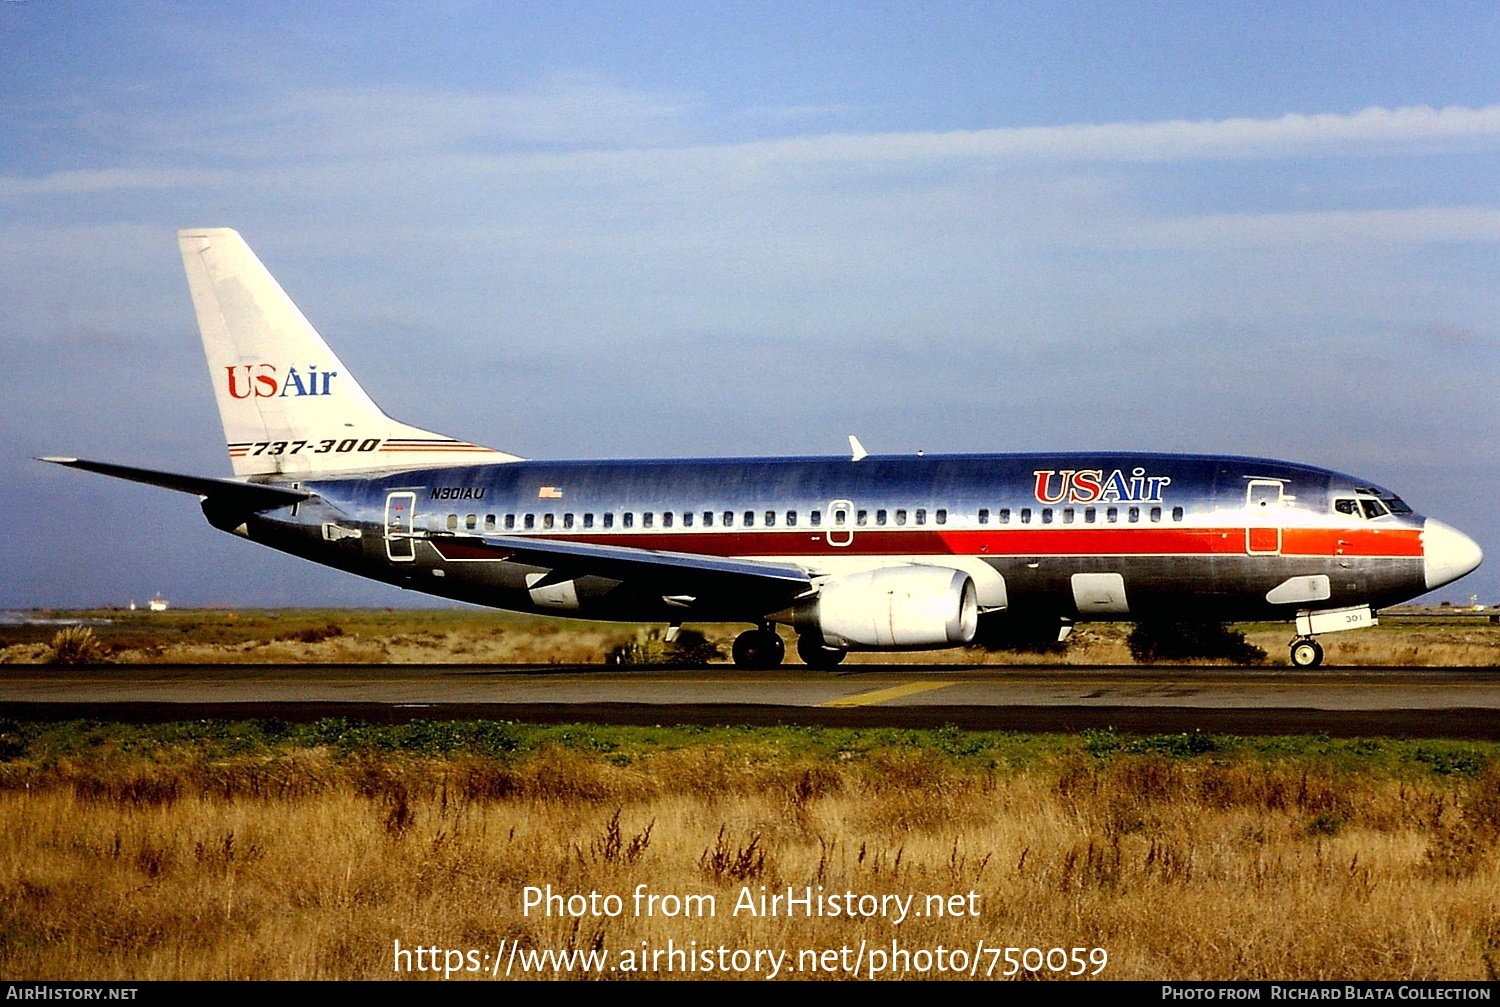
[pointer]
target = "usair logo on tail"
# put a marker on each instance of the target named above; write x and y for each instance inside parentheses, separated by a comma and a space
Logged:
(264, 381)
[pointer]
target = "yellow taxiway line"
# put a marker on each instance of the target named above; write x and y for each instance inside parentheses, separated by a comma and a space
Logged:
(882, 695)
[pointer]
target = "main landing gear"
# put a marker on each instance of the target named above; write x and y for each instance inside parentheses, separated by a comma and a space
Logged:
(1306, 652)
(817, 654)
(758, 649)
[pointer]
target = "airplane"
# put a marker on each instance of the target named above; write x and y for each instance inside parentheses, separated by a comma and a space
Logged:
(854, 552)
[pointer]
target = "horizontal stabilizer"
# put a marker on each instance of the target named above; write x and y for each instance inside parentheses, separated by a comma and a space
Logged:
(237, 495)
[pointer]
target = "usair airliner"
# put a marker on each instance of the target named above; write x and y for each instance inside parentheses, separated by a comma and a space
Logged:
(855, 552)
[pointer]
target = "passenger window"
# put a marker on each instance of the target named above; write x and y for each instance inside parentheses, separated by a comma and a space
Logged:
(567, 520)
(666, 520)
(900, 517)
(687, 519)
(1005, 515)
(628, 520)
(648, 519)
(839, 517)
(708, 519)
(1155, 515)
(1067, 515)
(453, 522)
(489, 522)
(1026, 515)
(791, 519)
(1112, 515)
(880, 517)
(1350, 507)
(941, 517)
(1176, 513)
(471, 522)
(529, 521)
(770, 518)
(1089, 514)
(546, 520)
(729, 519)
(609, 520)
(749, 519)
(984, 515)
(588, 520)
(815, 518)
(1046, 515)
(1135, 515)
(921, 515)
(510, 522)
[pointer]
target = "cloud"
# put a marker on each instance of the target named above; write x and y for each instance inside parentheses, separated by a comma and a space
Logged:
(578, 124)
(1373, 130)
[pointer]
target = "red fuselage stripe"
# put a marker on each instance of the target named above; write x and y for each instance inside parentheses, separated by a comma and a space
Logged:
(1148, 541)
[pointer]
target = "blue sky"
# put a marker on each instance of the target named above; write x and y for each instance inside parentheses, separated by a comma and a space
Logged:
(694, 229)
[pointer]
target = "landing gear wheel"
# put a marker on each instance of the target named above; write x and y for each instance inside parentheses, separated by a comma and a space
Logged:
(1306, 653)
(758, 649)
(815, 654)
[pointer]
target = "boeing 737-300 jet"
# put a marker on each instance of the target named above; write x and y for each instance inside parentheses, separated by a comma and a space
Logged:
(854, 552)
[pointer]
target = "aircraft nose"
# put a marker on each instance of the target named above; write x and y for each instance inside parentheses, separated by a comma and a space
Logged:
(1447, 553)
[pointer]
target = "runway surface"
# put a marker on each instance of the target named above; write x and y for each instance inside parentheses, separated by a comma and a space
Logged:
(1407, 702)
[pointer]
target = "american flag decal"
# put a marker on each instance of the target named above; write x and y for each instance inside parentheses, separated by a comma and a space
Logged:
(549, 493)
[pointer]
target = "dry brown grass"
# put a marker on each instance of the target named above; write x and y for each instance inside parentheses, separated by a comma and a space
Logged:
(468, 636)
(308, 864)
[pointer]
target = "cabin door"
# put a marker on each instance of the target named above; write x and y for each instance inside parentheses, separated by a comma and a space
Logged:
(399, 544)
(1263, 517)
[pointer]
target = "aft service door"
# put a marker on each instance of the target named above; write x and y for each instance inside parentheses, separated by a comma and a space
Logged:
(399, 546)
(1263, 517)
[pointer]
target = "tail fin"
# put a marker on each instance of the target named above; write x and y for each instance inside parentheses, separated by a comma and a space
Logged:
(288, 404)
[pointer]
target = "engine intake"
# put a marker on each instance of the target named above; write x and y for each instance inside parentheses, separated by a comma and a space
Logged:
(906, 606)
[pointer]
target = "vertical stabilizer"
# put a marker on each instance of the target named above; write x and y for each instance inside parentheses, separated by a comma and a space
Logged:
(289, 405)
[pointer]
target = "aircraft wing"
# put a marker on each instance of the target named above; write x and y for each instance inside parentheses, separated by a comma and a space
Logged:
(226, 492)
(680, 575)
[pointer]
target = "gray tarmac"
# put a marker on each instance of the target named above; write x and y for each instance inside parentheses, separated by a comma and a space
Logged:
(1411, 702)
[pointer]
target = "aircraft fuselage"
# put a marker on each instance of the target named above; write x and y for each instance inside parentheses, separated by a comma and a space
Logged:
(1189, 537)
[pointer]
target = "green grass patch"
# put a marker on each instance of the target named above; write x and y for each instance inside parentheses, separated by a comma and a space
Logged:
(43, 745)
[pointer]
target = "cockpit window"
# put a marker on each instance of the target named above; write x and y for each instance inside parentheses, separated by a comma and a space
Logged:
(1397, 505)
(1373, 508)
(1347, 506)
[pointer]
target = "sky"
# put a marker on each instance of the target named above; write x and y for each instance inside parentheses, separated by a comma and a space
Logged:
(700, 229)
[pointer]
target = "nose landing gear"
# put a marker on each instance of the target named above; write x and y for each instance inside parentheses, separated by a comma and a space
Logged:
(758, 649)
(1306, 652)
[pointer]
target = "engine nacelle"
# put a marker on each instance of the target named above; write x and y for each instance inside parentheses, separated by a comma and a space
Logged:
(904, 606)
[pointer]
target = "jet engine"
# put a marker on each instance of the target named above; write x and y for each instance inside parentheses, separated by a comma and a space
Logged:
(904, 606)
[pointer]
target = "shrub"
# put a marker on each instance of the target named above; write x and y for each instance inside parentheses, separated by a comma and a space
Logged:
(315, 634)
(1168, 641)
(1009, 632)
(689, 649)
(76, 645)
